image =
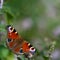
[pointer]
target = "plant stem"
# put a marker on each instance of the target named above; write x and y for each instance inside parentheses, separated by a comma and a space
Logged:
(18, 58)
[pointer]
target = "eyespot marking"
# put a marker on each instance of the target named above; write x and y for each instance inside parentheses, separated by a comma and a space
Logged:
(32, 50)
(21, 51)
(11, 28)
(9, 40)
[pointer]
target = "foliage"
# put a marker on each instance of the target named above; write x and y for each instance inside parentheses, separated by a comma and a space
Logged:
(43, 24)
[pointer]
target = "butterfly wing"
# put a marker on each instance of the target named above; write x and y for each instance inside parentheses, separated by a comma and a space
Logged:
(16, 43)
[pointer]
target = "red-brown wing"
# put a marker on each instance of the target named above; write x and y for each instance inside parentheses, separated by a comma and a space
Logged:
(16, 43)
(24, 46)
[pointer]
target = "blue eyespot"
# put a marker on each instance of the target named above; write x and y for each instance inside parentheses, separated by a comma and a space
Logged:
(9, 40)
(21, 51)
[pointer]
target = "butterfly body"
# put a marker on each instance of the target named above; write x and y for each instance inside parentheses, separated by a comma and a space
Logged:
(17, 44)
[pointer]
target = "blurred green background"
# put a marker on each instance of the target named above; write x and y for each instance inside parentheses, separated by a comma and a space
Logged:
(37, 21)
